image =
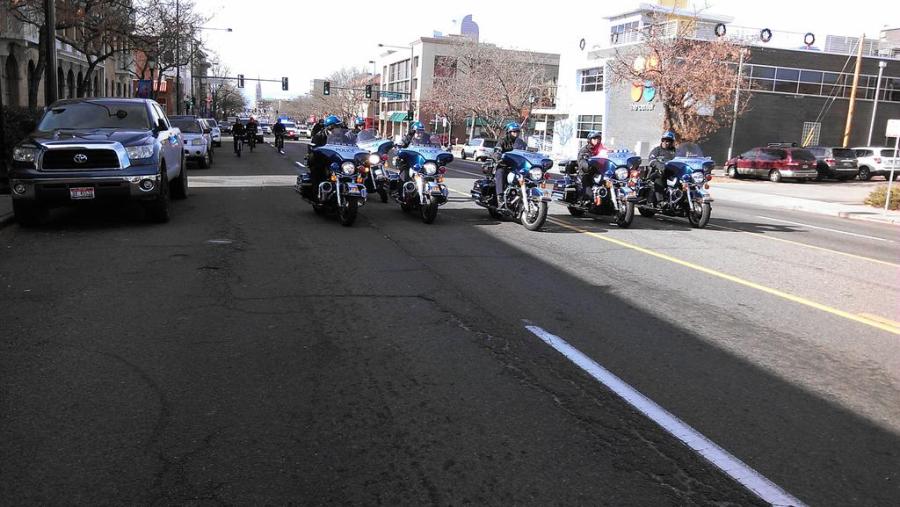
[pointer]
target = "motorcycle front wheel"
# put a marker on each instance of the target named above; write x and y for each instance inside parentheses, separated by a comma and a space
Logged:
(534, 216)
(347, 213)
(699, 216)
(429, 211)
(625, 216)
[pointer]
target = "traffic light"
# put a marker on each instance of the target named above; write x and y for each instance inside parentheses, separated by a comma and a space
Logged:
(368, 91)
(240, 80)
(284, 83)
(409, 115)
(326, 88)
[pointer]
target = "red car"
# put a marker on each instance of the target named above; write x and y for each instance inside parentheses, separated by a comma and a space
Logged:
(774, 162)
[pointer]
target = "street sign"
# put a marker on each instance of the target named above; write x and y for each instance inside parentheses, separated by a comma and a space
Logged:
(893, 128)
(392, 95)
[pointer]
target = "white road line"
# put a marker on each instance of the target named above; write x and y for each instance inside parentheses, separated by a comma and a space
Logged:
(720, 458)
(824, 229)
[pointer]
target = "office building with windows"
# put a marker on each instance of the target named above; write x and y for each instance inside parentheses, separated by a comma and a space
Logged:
(799, 86)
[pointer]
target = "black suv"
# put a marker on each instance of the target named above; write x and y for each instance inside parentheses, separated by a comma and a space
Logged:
(838, 163)
(87, 149)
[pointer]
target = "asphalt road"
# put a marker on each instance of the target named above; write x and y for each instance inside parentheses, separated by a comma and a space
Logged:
(252, 352)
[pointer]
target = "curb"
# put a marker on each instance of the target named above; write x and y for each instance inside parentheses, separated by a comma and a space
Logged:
(849, 215)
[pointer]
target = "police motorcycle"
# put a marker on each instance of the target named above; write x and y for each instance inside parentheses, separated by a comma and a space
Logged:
(525, 200)
(425, 165)
(612, 192)
(377, 177)
(343, 189)
(687, 184)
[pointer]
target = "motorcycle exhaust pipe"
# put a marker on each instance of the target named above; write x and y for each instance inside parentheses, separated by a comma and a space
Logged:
(325, 188)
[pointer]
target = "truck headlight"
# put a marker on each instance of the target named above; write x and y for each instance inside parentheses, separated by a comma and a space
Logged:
(24, 154)
(139, 152)
(430, 168)
(348, 168)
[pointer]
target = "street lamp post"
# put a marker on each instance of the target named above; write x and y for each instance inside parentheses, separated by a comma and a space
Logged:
(881, 65)
(51, 85)
(737, 96)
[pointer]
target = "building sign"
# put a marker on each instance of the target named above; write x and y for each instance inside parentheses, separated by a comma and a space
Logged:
(642, 95)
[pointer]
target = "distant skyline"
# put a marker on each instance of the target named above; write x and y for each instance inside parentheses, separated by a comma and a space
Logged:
(305, 41)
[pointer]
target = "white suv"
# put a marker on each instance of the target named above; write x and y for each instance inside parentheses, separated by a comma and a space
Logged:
(478, 148)
(876, 161)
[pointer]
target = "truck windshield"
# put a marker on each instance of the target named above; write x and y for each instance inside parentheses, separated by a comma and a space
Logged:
(97, 115)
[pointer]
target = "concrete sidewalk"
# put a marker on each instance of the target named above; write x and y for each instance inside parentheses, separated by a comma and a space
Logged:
(734, 193)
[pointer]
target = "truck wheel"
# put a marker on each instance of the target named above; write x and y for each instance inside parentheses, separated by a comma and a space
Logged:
(158, 209)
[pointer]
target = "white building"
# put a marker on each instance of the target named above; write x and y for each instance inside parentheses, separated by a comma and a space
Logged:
(584, 75)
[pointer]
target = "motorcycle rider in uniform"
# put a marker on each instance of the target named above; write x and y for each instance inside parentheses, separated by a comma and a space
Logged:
(416, 133)
(593, 148)
(511, 141)
(317, 162)
(658, 158)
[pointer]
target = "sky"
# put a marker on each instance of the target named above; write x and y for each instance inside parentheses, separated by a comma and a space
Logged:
(305, 40)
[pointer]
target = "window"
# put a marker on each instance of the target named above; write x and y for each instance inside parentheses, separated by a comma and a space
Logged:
(887, 153)
(802, 155)
(811, 131)
(863, 153)
(591, 79)
(749, 154)
(624, 32)
(587, 123)
(772, 154)
(786, 80)
(810, 82)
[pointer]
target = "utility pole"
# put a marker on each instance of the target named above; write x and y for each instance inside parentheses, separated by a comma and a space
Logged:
(51, 84)
(853, 93)
(177, 57)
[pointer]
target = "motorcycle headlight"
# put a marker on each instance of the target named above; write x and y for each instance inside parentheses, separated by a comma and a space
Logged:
(348, 168)
(24, 154)
(536, 173)
(622, 173)
(430, 168)
(139, 152)
(374, 159)
(698, 177)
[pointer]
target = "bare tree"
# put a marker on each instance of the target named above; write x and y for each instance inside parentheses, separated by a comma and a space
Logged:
(347, 92)
(225, 96)
(301, 107)
(32, 12)
(496, 84)
(165, 33)
(694, 77)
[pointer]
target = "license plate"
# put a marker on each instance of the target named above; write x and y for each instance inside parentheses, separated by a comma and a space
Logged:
(81, 192)
(379, 172)
(353, 190)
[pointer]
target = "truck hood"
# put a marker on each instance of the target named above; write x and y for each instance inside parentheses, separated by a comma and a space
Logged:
(124, 137)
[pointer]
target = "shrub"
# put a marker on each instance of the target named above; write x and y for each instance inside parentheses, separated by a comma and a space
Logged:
(876, 198)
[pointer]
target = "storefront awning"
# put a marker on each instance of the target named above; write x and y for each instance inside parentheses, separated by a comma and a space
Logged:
(397, 117)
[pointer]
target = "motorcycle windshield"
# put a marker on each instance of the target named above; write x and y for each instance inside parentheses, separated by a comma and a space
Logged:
(689, 150)
(365, 136)
(340, 136)
(529, 159)
(423, 139)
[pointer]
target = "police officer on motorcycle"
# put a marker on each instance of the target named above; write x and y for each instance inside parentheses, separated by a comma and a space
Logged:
(317, 163)
(593, 148)
(416, 133)
(511, 141)
(658, 158)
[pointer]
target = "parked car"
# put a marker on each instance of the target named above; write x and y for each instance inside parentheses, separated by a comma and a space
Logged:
(266, 129)
(196, 144)
(304, 130)
(478, 148)
(207, 128)
(774, 163)
(835, 162)
(95, 149)
(216, 133)
(876, 161)
(290, 130)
